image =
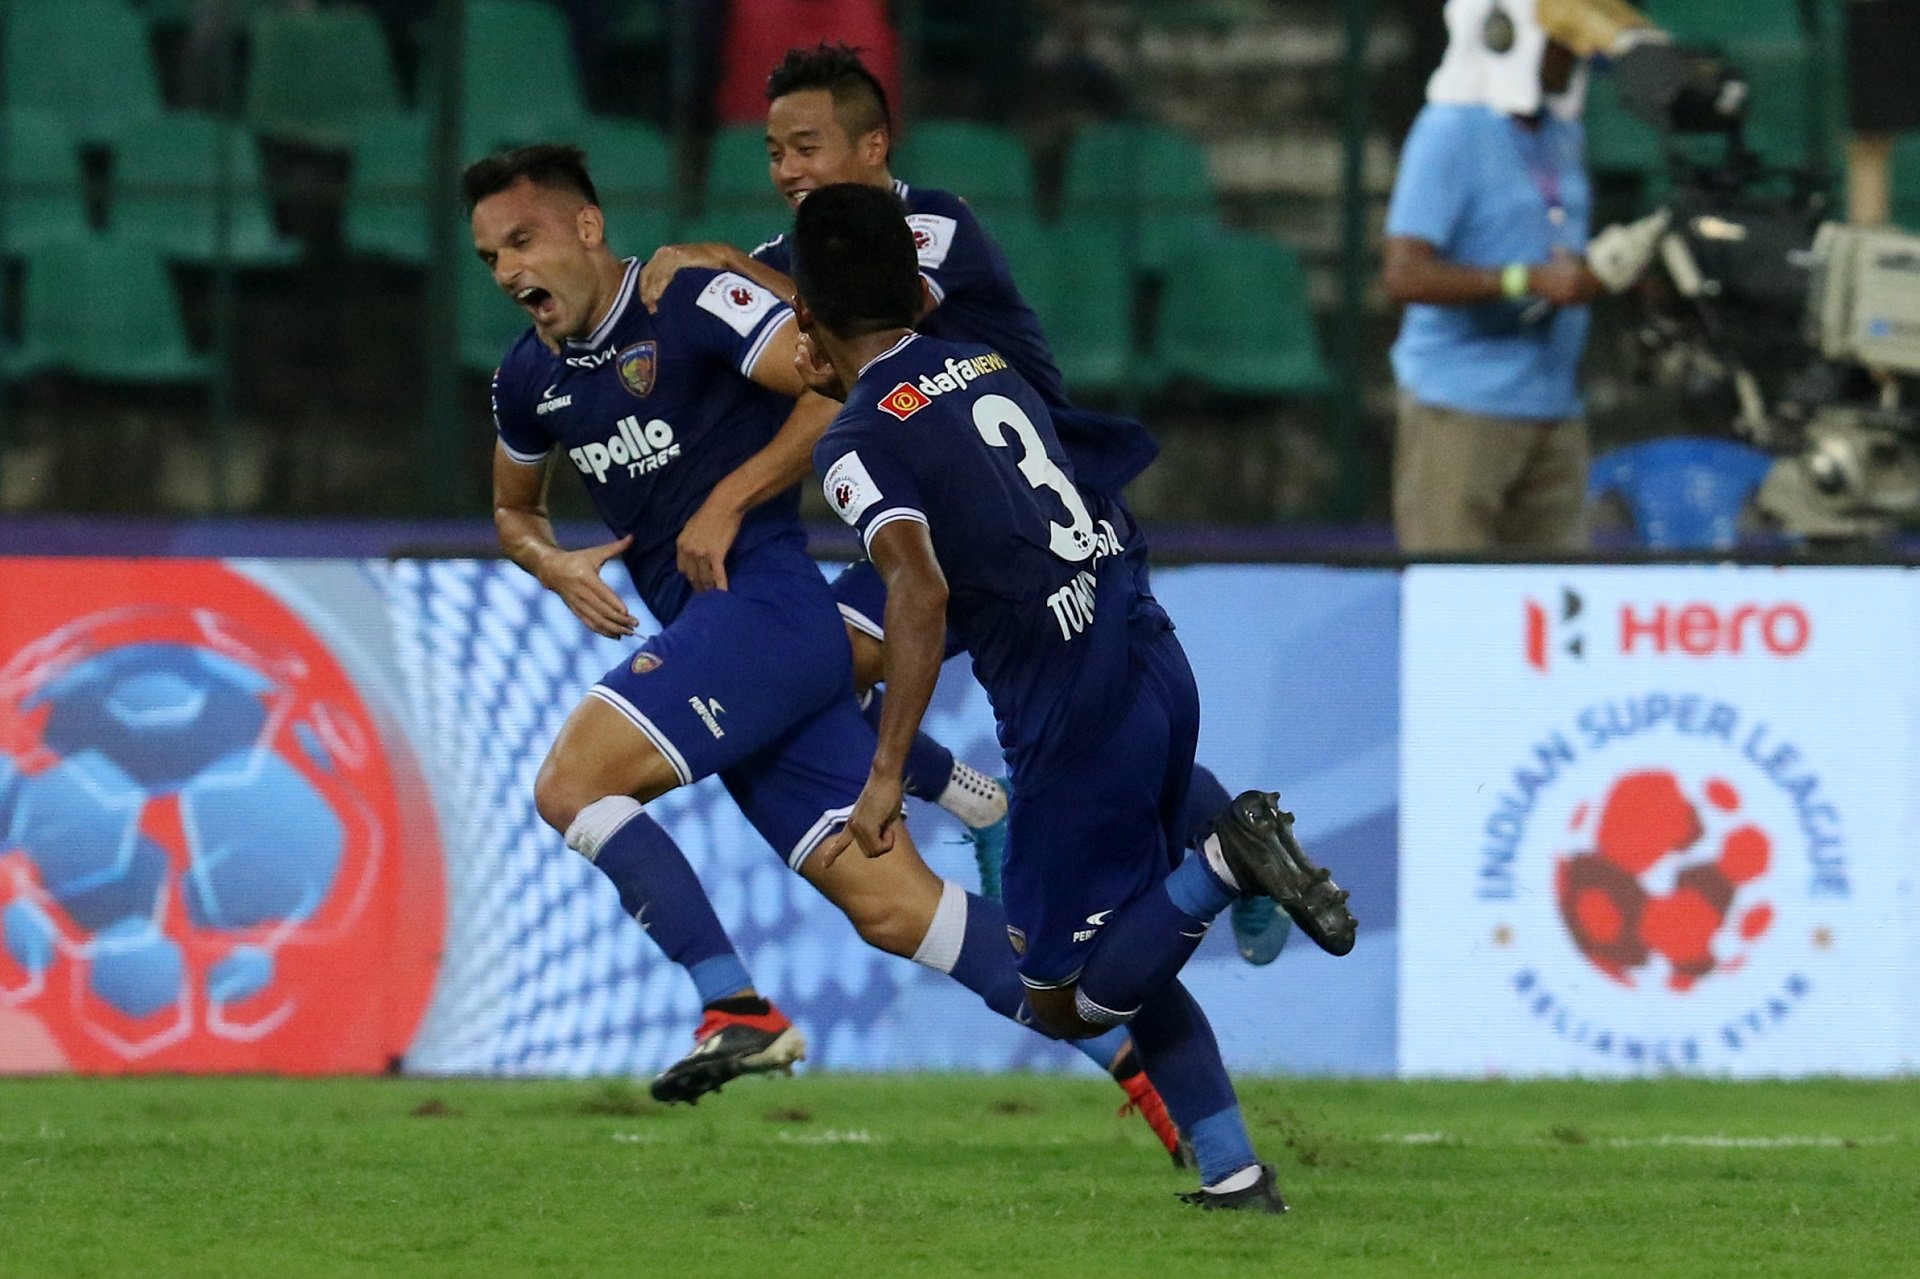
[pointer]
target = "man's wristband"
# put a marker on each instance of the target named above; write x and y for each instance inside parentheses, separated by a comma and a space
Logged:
(1513, 281)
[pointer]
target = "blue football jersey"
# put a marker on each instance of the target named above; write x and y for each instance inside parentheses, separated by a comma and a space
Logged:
(654, 410)
(979, 302)
(1042, 587)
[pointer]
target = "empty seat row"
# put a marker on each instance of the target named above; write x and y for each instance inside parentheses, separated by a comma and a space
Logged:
(314, 75)
(103, 307)
(168, 179)
(1234, 316)
(168, 175)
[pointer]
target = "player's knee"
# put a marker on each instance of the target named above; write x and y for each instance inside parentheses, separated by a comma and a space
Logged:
(1057, 1014)
(557, 797)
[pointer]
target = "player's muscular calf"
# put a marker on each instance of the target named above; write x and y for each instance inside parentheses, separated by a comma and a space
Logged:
(889, 900)
(598, 753)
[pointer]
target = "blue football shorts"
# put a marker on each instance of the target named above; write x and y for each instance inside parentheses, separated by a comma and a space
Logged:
(1106, 827)
(862, 598)
(755, 683)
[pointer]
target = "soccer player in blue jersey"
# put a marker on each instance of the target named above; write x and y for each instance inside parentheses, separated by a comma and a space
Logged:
(946, 461)
(828, 122)
(656, 412)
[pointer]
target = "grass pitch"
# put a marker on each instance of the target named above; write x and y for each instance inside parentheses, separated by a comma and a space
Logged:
(853, 1176)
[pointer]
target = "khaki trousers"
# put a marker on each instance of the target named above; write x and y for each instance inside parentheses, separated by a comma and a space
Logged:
(1467, 482)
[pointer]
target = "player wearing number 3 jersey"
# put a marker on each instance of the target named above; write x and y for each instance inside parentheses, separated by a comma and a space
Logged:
(751, 679)
(947, 463)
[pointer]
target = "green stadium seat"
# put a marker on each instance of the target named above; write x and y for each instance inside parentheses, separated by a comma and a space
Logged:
(521, 84)
(742, 230)
(1235, 317)
(633, 170)
(1027, 242)
(386, 206)
(1617, 140)
(737, 179)
(1718, 21)
(987, 166)
(1906, 182)
(1782, 77)
(1150, 184)
(86, 61)
(166, 192)
(1076, 278)
(103, 308)
(313, 76)
(42, 188)
(489, 322)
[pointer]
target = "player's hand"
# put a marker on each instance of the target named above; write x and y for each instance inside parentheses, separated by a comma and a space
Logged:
(701, 550)
(1564, 280)
(815, 369)
(575, 577)
(669, 260)
(872, 823)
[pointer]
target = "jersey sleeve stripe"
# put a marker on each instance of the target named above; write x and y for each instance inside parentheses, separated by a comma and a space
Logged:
(939, 294)
(525, 459)
(647, 726)
(775, 318)
(889, 516)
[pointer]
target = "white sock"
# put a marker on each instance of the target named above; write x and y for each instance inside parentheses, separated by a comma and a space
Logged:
(1235, 1181)
(1217, 862)
(973, 797)
(947, 932)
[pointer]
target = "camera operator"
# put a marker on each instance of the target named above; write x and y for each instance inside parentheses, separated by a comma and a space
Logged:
(1487, 244)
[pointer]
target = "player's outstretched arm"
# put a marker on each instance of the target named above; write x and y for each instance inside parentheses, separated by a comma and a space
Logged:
(526, 535)
(670, 259)
(786, 459)
(916, 645)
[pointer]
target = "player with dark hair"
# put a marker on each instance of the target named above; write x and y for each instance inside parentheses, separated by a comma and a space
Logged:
(947, 463)
(828, 121)
(656, 412)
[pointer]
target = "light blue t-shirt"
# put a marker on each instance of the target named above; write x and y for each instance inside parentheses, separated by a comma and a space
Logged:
(1482, 189)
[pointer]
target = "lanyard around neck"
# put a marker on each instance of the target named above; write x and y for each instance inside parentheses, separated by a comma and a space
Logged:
(1538, 152)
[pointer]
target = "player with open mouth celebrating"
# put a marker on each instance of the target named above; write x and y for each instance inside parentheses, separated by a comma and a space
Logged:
(750, 679)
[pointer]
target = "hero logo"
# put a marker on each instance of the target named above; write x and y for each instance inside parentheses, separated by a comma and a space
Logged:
(1696, 629)
(741, 297)
(638, 448)
(1547, 633)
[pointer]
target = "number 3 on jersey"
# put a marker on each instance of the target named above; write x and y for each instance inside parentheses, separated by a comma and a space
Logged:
(992, 416)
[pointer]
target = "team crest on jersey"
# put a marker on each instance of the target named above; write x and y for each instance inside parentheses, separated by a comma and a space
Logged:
(903, 401)
(636, 365)
(643, 663)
